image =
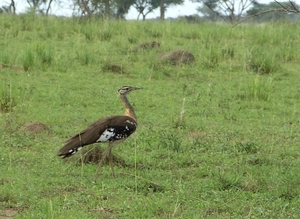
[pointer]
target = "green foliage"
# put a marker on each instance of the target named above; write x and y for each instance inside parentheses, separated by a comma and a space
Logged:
(28, 60)
(7, 98)
(260, 88)
(44, 55)
(262, 62)
(105, 36)
(228, 52)
(211, 58)
(275, 15)
(84, 57)
(247, 147)
(4, 59)
(218, 138)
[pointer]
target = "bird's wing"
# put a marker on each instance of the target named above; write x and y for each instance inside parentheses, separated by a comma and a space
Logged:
(103, 130)
(119, 127)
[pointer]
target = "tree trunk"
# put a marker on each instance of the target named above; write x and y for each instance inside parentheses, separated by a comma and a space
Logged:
(12, 7)
(48, 8)
(162, 10)
(107, 9)
(85, 9)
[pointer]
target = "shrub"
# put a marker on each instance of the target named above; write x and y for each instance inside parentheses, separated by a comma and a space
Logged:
(28, 60)
(262, 62)
(7, 102)
(261, 89)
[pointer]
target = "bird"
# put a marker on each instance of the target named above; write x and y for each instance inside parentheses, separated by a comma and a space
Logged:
(112, 130)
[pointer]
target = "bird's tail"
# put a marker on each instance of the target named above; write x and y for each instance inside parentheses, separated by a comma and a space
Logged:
(71, 147)
(68, 153)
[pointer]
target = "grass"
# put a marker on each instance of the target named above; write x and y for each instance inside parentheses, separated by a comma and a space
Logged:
(216, 139)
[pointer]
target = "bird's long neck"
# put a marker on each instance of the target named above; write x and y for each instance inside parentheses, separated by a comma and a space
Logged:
(128, 108)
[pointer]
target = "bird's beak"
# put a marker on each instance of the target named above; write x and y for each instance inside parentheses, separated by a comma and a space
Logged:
(137, 88)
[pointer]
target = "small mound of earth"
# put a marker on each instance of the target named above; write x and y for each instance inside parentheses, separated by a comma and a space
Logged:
(177, 57)
(94, 154)
(113, 68)
(8, 213)
(34, 127)
(14, 68)
(149, 45)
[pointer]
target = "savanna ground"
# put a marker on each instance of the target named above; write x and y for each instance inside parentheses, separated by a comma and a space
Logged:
(218, 138)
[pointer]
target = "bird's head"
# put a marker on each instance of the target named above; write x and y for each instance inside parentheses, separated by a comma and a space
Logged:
(127, 89)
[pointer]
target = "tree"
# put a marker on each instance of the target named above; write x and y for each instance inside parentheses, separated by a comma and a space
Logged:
(123, 7)
(260, 10)
(85, 8)
(278, 10)
(101, 8)
(208, 14)
(144, 7)
(10, 9)
(107, 8)
(290, 7)
(165, 4)
(229, 10)
(257, 8)
(41, 6)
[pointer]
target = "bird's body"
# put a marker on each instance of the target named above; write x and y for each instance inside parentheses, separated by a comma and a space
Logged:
(105, 130)
(112, 130)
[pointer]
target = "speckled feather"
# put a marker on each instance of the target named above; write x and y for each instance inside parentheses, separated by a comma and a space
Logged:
(104, 130)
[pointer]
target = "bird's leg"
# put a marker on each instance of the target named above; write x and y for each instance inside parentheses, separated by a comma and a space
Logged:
(104, 155)
(111, 161)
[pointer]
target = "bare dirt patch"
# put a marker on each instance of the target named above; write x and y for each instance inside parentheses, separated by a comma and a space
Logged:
(8, 213)
(14, 68)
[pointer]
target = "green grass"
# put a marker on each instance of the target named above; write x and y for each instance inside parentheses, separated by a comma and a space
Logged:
(216, 139)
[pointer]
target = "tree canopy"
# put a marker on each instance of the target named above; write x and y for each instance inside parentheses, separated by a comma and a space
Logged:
(228, 10)
(92, 8)
(276, 11)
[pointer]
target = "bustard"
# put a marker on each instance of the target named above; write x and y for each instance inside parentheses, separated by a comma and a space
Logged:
(111, 130)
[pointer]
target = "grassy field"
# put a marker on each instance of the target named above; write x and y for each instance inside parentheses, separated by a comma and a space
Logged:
(218, 138)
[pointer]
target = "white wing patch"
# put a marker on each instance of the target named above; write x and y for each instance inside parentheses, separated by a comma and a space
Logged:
(74, 150)
(106, 135)
(132, 123)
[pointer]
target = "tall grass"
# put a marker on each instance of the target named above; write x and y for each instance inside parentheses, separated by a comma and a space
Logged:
(7, 99)
(262, 62)
(28, 59)
(261, 89)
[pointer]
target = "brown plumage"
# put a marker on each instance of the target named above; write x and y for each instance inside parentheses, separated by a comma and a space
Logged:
(112, 130)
